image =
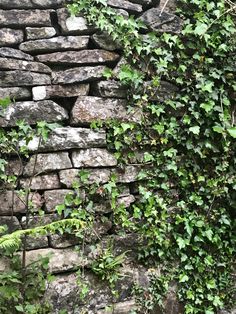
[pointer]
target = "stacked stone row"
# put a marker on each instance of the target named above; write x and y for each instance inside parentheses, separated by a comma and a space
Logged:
(52, 65)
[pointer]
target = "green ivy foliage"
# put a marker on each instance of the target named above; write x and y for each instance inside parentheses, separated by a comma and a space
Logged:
(187, 192)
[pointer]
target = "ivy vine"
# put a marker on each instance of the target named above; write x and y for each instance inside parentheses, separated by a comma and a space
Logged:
(187, 189)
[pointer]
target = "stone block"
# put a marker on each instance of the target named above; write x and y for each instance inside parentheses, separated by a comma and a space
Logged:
(26, 4)
(109, 89)
(47, 162)
(33, 33)
(19, 18)
(60, 260)
(23, 78)
(88, 109)
(14, 64)
(12, 223)
(104, 41)
(6, 52)
(54, 198)
(55, 91)
(32, 112)
(14, 167)
(34, 243)
(128, 174)
(36, 220)
(163, 22)
(43, 182)
(84, 57)
(59, 43)
(12, 202)
(73, 24)
(10, 37)
(126, 5)
(16, 93)
(68, 177)
(68, 138)
(125, 307)
(93, 157)
(80, 74)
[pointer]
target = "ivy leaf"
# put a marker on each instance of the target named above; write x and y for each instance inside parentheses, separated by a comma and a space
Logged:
(200, 29)
(183, 278)
(195, 129)
(232, 132)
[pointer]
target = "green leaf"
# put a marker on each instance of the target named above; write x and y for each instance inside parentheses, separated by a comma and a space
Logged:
(195, 129)
(232, 132)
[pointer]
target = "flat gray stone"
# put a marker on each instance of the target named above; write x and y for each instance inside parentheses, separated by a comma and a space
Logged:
(73, 24)
(88, 109)
(80, 74)
(11, 202)
(55, 91)
(6, 52)
(163, 92)
(165, 22)
(170, 6)
(17, 93)
(54, 198)
(32, 112)
(23, 65)
(68, 177)
(104, 41)
(47, 162)
(93, 157)
(126, 5)
(109, 89)
(14, 167)
(40, 32)
(12, 223)
(128, 174)
(69, 138)
(94, 56)
(60, 260)
(23, 78)
(59, 43)
(10, 37)
(31, 4)
(19, 18)
(43, 182)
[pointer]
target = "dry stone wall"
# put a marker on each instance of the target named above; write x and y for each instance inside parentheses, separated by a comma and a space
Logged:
(52, 65)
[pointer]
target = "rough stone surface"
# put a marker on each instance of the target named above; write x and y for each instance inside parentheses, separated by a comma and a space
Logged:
(120, 308)
(95, 56)
(17, 93)
(14, 167)
(68, 138)
(128, 174)
(104, 41)
(105, 207)
(40, 32)
(14, 64)
(25, 18)
(34, 243)
(68, 177)
(55, 91)
(12, 223)
(93, 157)
(12, 202)
(32, 112)
(165, 91)
(73, 24)
(47, 162)
(166, 22)
(54, 198)
(26, 4)
(60, 260)
(109, 89)
(23, 78)
(88, 109)
(10, 37)
(44, 182)
(80, 74)
(170, 6)
(6, 52)
(123, 4)
(59, 43)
